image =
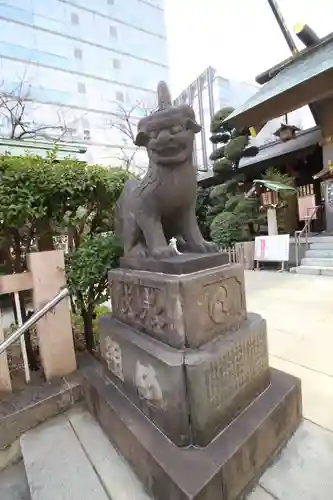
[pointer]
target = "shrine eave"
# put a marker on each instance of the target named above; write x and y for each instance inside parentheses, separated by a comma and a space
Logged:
(306, 79)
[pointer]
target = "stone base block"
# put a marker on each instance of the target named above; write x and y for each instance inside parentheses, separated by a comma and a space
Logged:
(225, 469)
(181, 310)
(191, 395)
(184, 263)
(149, 372)
(224, 376)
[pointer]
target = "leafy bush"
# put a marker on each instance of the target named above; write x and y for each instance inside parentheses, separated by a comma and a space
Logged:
(202, 208)
(87, 276)
(41, 199)
(78, 326)
(225, 229)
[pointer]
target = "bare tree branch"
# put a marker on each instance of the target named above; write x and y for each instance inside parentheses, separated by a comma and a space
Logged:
(13, 107)
(126, 123)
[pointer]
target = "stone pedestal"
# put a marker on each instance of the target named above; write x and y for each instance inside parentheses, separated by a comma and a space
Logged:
(186, 392)
(184, 310)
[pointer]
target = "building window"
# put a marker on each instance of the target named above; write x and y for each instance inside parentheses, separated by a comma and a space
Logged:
(116, 64)
(120, 96)
(81, 88)
(113, 31)
(70, 132)
(78, 53)
(74, 18)
(86, 134)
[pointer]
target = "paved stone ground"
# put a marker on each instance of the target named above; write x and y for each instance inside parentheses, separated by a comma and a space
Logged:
(13, 483)
(299, 314)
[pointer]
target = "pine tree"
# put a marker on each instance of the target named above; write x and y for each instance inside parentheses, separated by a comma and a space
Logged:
(231, 215)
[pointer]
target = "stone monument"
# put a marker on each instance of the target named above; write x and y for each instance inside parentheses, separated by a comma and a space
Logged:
(185, 390)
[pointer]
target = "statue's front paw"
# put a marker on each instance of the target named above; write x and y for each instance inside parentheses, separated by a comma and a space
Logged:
(138, 251)
(163, 252)
(210, 247)
(203, 247)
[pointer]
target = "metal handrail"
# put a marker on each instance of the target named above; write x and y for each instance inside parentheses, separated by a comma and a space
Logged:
(34, 319)
(298, 234)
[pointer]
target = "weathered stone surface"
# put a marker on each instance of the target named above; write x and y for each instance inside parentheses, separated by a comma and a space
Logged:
(212, 384)
(186, 310)
(179, 264)
(213, 303)
(225, 376)
(225, 469)
(56, 464)
(150, 373)
(14, 484)
(35, 404)
(161, 205)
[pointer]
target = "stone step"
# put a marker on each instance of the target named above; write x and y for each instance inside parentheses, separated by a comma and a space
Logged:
(118, 479)
(57, 467)
(321, 246)
(70, 457)
(313, 270)
(319, 254)
(322, 239)
(317, 262)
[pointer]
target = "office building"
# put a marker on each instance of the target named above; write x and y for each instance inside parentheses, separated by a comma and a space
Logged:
(209, 93)
(84, 64)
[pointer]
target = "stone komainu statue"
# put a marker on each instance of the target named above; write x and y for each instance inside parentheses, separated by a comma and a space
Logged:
(161, 206)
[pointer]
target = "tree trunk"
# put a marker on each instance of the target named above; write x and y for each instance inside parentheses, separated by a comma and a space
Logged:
(45, 241)
(73, 307)
(87, 315)
(252, 231)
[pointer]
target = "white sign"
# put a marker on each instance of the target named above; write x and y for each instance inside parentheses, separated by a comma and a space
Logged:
(272, 248)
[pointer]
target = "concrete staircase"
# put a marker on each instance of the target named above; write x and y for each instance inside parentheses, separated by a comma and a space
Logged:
(70, 458)
(318, 258)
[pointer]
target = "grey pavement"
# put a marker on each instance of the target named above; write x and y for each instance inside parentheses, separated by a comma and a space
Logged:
(14, 484)
(299, 314)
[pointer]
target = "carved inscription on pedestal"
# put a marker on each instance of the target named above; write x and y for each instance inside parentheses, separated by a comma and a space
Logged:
(141, 305)
(147, 385)
(181, 310)
(224, 300)
(113, 357)
(230, 373)
(225, 376)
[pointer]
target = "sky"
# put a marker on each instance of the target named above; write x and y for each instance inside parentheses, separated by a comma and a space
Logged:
(239, 38)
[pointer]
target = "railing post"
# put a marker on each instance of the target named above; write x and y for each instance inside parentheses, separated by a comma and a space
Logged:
(296, 247)
(5, 381)
(22, 339)
(54, 330)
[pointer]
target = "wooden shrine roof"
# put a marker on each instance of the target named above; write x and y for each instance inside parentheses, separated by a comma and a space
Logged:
(273, 153)
(306, 78)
